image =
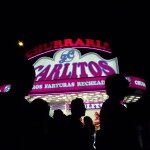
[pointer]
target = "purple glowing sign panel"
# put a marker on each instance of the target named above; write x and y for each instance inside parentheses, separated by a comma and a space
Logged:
(80, 84)
(89, 106)
(75, 85)
(136, 82)
(71, 85)
(68, 63)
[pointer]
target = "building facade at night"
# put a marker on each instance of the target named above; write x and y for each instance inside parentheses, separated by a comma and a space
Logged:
(71, 68)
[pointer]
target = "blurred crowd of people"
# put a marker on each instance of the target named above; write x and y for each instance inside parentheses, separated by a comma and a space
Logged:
(28, 126)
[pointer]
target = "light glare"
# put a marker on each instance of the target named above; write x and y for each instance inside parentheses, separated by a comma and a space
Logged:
(20, 43)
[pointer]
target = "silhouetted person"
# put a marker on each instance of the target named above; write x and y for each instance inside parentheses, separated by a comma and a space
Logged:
(14, 109)
(60, 119)
(89, 130)
(74, 128)
(97, 121)
(115, 127)
(145, 120)
(135, 114)
(58, 115)
(42, 126)
(139, 112)
(60, 124)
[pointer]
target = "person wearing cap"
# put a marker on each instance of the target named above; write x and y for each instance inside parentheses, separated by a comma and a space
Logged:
(97, 121)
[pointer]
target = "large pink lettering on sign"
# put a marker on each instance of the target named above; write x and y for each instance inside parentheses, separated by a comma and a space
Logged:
(68, 63)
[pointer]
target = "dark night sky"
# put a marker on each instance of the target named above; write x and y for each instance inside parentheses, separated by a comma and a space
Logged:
(124, 25)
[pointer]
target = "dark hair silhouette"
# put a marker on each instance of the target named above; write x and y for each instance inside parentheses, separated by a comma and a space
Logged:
(40, 108)
(116, 86)
(18, 72)
(77, 107)
(58, 114)
(88, 120)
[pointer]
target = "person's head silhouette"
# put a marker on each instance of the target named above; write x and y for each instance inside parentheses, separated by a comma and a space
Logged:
(23, 79)
(116, 86)
(88, 120)
(78, 108)
(40, 108)
(58, 114)
(18, 72)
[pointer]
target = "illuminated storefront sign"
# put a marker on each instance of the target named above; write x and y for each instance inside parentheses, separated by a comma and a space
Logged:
(89, 106)
(81, 84)
(69, 71)
(68, 63)
(72, 85)
(68, 85)
(79, 43)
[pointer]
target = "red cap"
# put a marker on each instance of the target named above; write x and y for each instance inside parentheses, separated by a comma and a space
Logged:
(96, 113)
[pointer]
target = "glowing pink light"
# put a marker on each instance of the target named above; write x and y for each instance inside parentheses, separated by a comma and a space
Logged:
(95, 49)
(68, 47)
(43, 53)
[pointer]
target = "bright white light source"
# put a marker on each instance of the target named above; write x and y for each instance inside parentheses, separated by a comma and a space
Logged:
(91, 94)
(138, 97)
(20, 43)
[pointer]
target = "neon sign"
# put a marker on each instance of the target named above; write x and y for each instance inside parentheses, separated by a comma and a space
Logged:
(68, 85)
(136, 82)
(79, 43)
(68, 63)
(75, 85)
(79, 84)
